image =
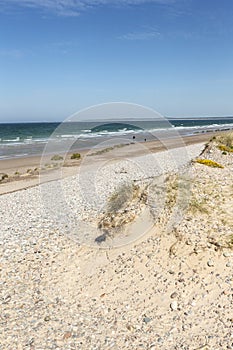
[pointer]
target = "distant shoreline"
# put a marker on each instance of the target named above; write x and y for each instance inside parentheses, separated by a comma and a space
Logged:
(26, 140)
(27, 179)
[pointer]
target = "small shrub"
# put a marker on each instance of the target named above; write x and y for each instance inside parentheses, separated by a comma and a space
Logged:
(3, 177)
(56, 157)
(224, 153)
(48, 165)
(17, 173)
(120, 197)
(75, 156)
(225, 149)
(209, 163)
(226, 139)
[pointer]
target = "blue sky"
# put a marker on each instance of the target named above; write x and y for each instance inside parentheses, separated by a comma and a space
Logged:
(58, 56)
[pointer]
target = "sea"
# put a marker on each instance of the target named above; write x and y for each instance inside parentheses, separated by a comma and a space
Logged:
(30, 139)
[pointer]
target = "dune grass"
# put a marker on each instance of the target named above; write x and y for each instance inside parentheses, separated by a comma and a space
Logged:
(121, 197)
(226, 139)
(56, 157)
(75, 156)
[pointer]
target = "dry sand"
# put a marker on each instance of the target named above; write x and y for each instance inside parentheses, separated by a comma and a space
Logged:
(168, 290)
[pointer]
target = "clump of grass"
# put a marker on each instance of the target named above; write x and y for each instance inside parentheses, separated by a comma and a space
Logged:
(49, 165)
(120, 209)
(230, 242)
(209, 163)
(3, 177)
(226, 139)
(225, 149)
(105, 150)
(57, 157)
(121, 197)
(108, 149)
(172, 189)
(75, 156)
(17, 173)
(198, 206)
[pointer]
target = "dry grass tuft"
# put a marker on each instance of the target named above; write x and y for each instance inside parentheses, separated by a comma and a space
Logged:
(196, 206)
(230, 242)
(121, 197)
(226, 139)
(121, 208)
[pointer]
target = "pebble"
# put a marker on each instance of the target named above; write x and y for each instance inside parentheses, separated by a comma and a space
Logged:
(160, 340)
(210, 263)
(174, 295)
(174, 305)
(146, 319)
(226, 254)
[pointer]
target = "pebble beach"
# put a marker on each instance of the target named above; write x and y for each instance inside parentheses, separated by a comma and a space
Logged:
(156, 289)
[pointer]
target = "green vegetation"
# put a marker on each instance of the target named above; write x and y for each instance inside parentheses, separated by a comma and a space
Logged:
(75, 156)
(51, 166)
(3, 177)
(225, 149)
(56, 157)
(198, 206)
(120, 209)
(108, 149)
(230, 241)
(171, 189)
(121, 197)
(213, 138)
(209, 163)
(226, 140)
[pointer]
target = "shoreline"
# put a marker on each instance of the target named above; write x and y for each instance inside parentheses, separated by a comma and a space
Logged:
(30, 178)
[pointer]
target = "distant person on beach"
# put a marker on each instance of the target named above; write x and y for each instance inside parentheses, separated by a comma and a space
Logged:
(133, 137)
(145, 140)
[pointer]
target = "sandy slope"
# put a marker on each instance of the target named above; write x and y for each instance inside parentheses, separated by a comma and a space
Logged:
(168, 290)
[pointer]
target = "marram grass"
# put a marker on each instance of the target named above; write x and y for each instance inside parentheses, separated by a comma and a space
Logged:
(226, 139)
(209, 163)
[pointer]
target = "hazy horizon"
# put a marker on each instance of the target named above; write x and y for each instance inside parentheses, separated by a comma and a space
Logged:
(115, 120)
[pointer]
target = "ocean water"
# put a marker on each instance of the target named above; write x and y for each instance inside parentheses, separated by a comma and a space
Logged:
(26, 139)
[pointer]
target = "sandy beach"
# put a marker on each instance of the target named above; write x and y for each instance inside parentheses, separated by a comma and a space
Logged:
(166, 285)
(24, 172)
